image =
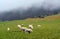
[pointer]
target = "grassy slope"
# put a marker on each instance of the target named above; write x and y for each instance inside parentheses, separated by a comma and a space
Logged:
(50, 29)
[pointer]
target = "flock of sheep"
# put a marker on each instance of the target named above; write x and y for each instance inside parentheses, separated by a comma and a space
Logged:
(28, 29)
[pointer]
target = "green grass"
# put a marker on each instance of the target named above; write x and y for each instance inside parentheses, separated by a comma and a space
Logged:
(50, 29)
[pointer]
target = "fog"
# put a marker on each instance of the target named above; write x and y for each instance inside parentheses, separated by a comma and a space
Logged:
(23, 9)
(6, 5)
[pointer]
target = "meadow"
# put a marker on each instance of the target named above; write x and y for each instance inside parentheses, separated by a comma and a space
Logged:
(50, 28)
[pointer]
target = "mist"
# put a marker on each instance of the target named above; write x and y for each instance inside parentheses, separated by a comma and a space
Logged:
(6, 5)
(31, 9)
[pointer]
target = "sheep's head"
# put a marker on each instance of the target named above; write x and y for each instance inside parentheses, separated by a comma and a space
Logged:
(22, 24)
(31, 26)
(19, 26)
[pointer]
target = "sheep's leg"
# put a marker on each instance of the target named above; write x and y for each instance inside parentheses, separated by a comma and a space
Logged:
(29, 32)
(23, 29)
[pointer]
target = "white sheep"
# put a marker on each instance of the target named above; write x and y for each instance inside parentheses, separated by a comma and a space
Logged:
(31, 26)
(39, 25)
(8, 29)
(25, 29)
(22, 28)
(22, 24)
(28, 30)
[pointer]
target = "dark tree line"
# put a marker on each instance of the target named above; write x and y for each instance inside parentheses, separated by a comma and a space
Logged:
(29, 13)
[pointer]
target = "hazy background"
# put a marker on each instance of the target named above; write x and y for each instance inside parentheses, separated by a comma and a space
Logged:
(11, 4)
(23, 9)
(6, 5)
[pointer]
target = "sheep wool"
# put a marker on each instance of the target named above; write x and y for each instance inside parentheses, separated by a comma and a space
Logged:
(28, 30)
(30, 26)
(8, 29)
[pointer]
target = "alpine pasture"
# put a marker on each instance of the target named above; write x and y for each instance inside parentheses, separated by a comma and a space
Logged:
(49, 29)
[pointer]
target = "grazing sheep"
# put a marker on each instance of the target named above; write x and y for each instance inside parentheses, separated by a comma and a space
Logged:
(25, 29)
(31, 26)
(39, 25)
(22, 24)
(28, 30)
(22, 28)
(8, 29)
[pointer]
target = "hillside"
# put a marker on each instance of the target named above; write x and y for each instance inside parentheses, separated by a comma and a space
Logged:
(52, 17)
(50, 28)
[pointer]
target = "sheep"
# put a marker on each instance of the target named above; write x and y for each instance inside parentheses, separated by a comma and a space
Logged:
(39, 25)
(28, 30)
(8, 29)
(30, 26)
(22, 24)
(25, 29)
(22, 28)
